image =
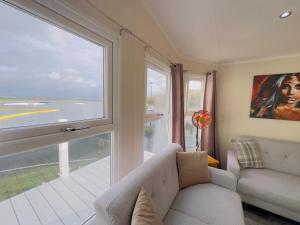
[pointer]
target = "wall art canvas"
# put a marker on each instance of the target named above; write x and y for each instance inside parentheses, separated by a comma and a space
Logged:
(276, 96)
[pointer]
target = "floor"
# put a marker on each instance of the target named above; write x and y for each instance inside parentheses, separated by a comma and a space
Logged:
(62, 201)
(256, 216)
(69, 201)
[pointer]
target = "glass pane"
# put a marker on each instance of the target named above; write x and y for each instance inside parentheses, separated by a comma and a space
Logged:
(155, 136)
(47, 75)
(194, 98)
(190, 134)
(157, 96)
(81, 160)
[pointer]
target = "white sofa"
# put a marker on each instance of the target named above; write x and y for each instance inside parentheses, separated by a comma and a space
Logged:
(215, 203)
(275, 188)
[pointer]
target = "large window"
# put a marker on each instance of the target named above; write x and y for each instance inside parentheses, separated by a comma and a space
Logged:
(50, 74)
(194, 91)
(47, 74)
(56, 119)
(156, 131)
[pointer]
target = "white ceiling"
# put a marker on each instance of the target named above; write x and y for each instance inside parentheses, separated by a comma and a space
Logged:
(227, 31)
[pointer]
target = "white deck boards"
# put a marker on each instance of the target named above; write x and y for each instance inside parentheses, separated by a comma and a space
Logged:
(42, 208)
(147, 155)
(7, 213)
(81, 192)
(24, 212)
(60, 206)
(63, 201)
(80, 208)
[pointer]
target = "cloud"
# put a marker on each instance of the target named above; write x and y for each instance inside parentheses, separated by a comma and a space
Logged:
(92, 83)
(7, 68)
(54, 76)
(36, 43)
(156, 82)
(71, 76)
(36, 56)
(195, 85)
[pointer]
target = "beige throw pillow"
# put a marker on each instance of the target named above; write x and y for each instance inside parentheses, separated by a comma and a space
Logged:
(144, 213)
(192, 168)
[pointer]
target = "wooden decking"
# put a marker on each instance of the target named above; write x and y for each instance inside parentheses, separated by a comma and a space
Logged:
(63, 201)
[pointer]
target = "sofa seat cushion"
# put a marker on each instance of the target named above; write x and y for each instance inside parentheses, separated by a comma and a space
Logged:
(274, 187)
(178, 218)
(210, 204)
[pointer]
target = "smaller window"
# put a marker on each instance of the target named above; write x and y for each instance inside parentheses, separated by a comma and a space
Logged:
(157, 116)
(194, 95)
(194, 92)
(157, 94)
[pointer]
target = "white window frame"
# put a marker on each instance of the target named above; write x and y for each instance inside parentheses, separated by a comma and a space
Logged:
(14, 140)
(188, 76)
(157, 65)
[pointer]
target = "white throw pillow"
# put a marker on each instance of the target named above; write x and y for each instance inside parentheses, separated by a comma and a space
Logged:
(248, 153)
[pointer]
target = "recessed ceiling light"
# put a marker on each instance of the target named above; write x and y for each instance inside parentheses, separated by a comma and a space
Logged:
(285, 14)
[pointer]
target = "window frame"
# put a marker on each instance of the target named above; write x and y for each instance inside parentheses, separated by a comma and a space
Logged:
(79, 22)
(188, 76)
(155, 64)
(68, 25)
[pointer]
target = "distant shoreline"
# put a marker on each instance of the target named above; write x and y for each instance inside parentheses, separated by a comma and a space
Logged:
(30, 99)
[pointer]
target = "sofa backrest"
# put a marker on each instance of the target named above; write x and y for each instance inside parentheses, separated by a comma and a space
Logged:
(283, 156)
(158, 176)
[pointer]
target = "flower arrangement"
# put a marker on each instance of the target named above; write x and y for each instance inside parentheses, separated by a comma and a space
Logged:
(201, 119)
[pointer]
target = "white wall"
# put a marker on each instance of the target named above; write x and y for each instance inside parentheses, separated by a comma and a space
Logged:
(131, 104)
(234, 89)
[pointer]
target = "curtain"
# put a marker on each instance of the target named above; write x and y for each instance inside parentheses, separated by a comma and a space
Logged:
(208, 135)
(177, 105)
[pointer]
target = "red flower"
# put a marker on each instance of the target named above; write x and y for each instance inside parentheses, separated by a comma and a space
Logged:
(201, 119)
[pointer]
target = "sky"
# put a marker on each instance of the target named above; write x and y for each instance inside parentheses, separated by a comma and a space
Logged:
(195, 85)
(40, 60)
(156, 82)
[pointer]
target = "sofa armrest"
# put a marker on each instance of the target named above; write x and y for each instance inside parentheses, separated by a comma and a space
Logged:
(223, 178)
(233, 164)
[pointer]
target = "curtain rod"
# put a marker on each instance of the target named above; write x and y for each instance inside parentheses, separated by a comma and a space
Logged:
(124, 29)
(193, 71)
(147, 46)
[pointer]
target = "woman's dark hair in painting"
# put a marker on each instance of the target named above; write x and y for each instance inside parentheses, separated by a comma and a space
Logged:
(270, 95)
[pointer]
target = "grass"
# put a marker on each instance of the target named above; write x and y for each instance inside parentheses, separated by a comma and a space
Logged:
(14, 183)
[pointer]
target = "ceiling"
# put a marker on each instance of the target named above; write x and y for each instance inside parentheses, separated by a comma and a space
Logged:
(228, 31)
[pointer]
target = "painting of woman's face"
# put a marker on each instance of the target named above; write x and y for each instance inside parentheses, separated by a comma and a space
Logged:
(276, 96)
(290, 90)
